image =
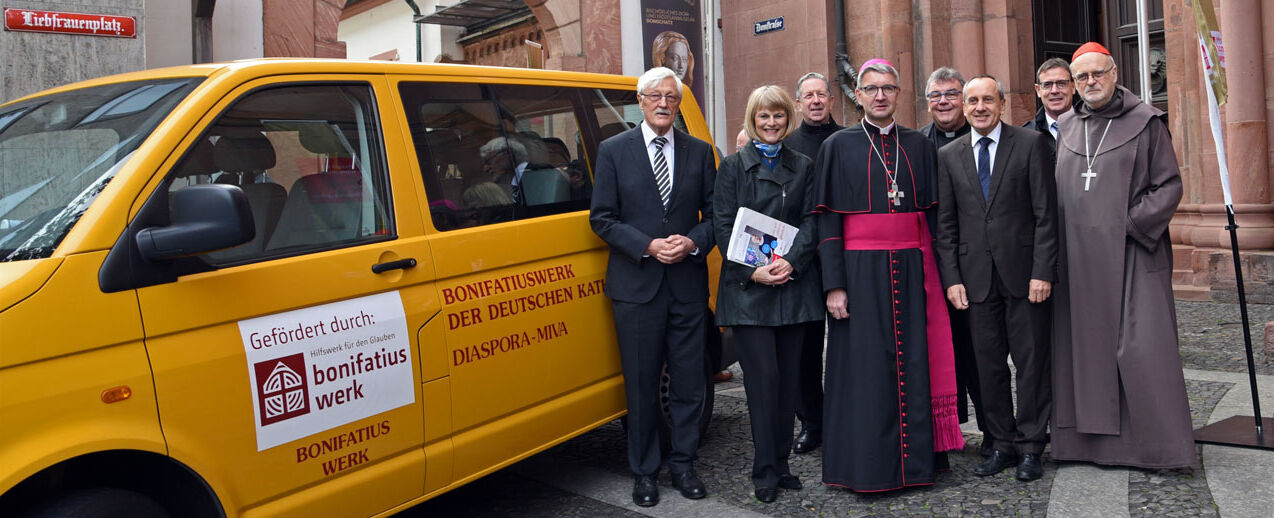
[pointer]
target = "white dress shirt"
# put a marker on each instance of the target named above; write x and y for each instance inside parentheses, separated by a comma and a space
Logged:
(648, 136)
(995, 144)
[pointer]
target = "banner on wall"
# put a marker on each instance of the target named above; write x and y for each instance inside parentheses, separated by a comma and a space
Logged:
(672, 33)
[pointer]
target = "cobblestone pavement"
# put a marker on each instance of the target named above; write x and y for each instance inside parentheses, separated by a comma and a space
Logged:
(1211, 340)
(1211, 336)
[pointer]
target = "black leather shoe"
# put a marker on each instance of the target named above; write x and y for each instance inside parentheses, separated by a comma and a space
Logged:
(766, 494)
(689, 485)
(790, 482)
(645, 491)
(997, 462)
(1030, 467)
(988, 446)
(807, 441)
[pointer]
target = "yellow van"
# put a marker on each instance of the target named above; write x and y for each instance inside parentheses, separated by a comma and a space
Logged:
(299, 287)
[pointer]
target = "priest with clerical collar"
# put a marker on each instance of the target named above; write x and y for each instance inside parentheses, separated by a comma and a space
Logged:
(814, 101)
(1119, 395)
(943, 94)
(888, 419)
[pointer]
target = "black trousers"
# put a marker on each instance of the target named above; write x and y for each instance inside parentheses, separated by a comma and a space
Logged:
(966, 368)
(1005, 326)
(810, 407)
(770, 357)
(650, 334)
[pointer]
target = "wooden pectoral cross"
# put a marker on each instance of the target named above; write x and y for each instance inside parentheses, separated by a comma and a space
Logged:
(896, 195)
(1088, 177)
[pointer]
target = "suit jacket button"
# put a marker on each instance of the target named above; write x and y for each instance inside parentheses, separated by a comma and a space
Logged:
(665, 220)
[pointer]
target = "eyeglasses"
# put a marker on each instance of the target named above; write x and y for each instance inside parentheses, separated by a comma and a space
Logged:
(1096, 75)
(949, 95)
(810, 96)
(871, 90)
(1061, 84)
(671, 98)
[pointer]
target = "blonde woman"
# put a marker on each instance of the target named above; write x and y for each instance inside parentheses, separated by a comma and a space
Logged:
(767, 306)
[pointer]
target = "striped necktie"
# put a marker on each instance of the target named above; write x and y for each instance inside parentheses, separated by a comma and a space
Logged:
(661, 171)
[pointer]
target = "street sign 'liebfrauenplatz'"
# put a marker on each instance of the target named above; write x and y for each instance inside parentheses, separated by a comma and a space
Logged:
(70, 23)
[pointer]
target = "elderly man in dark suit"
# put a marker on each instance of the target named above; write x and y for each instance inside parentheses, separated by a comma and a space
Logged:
(652, 203)
(997, 238)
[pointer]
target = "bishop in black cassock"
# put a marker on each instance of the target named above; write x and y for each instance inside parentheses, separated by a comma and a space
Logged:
(890, 385)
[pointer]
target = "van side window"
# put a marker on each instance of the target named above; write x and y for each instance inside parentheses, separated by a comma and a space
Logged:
(311, 162)
(618, 110)
(496, 153)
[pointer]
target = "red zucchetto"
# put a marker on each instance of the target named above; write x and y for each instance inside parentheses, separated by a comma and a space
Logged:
(1091, 46)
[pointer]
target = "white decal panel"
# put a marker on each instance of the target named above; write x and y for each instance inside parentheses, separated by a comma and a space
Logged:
(317, 368)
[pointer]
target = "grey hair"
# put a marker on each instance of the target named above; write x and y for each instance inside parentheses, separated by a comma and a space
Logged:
(1050, 64)
(998, 87)
(651, 78)
(500, 144)
(879, 68)
(812, 75)
(945, 74)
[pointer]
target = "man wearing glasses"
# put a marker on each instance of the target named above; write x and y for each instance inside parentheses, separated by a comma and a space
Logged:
(943, 95)
(890, 396)
(652, 203)
(814, 101)
(1119, 396)
(1056, 91)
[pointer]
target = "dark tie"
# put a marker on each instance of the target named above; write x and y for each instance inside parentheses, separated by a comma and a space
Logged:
(984, 166)
(517, 194)
(661, 170)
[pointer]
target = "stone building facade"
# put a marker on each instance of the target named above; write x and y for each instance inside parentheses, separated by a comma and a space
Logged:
(168, 33)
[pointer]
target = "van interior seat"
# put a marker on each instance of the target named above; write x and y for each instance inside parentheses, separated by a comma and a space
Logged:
(321, 208)
(243, 159)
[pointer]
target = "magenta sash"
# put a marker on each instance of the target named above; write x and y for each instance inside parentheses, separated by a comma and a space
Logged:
(905, 231)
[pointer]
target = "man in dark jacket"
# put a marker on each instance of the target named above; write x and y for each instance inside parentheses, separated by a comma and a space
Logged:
(944, 93)
(1057, 93)
(814, 101)
(652, 203)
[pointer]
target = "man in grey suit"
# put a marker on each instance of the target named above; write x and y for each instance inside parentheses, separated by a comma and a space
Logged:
(997, 240)
(652, 203)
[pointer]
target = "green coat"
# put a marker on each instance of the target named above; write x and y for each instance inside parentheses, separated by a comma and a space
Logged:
(786, 194)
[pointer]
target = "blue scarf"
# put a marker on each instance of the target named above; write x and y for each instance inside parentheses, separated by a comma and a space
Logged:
(769, 153)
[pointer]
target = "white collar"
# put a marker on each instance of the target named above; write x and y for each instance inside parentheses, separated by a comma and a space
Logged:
(883, 131)
(648, 134)
(1049, 119)
(994, 135)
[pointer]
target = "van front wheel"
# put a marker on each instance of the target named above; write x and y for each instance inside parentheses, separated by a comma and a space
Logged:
(101, 503)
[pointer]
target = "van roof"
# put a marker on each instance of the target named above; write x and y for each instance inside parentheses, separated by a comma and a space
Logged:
(280, 66)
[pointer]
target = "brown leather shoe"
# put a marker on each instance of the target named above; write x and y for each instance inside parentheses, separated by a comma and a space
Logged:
(723, 376)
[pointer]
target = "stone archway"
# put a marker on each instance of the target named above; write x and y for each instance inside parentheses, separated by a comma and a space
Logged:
(580, 35)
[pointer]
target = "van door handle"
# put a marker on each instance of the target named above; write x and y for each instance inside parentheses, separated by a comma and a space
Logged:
(401, 264)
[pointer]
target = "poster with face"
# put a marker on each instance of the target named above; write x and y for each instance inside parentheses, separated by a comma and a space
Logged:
(673, 33)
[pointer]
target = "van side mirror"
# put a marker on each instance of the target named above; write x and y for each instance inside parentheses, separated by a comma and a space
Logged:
(204, 218)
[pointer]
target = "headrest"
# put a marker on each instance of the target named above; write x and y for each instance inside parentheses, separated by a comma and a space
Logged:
(321, 141)
(238, 153)
(198, 160)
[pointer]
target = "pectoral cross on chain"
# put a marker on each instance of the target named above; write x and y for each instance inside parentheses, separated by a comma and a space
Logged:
(896, 195)
(1088, 177)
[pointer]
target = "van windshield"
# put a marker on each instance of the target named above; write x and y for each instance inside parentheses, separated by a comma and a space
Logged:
(57, 152)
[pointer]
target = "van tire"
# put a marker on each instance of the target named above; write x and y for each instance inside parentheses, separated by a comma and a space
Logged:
(101, 502)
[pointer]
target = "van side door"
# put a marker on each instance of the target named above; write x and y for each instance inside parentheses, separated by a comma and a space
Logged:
(287, 368)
